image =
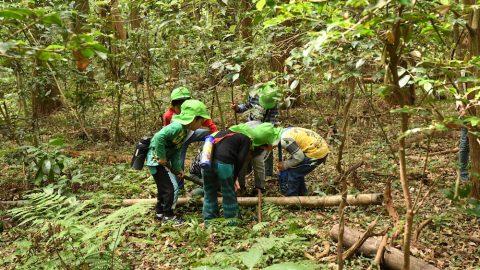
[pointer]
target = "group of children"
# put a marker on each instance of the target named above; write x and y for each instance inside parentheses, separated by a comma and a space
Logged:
(230, 153)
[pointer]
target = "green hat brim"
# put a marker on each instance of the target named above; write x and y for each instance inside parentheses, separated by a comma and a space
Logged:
(267, 102)
(263, 134)
(180, 93)
(189, 110)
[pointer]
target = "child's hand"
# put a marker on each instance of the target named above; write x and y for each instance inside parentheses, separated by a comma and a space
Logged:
(280, 166)
(234, 106)
(162, 162)
(180, 175)
(236, 185)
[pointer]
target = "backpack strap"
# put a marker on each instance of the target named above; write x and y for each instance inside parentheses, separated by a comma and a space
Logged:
(219, 139)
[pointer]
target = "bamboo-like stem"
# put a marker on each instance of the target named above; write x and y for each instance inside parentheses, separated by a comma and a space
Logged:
(343, 177)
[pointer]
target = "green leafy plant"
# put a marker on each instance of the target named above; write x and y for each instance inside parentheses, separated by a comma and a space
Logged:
(43, 163)
(59, 231)
(263, 252)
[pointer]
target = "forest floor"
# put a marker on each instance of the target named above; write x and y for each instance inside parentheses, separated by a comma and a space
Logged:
(290, 235)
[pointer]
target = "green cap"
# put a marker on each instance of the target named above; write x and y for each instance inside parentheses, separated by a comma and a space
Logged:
(268, 95)
(180, 93)
(262, 134)
(190, 109)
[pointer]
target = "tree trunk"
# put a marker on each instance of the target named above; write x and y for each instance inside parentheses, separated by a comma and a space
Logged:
(135, 17)
(406, 195)
(80, 23)
(343, 176)
(246, 73)
(174, 61)
(118, 115)
(117, 20)
(473, 39)
(475, 165)
(283, 45)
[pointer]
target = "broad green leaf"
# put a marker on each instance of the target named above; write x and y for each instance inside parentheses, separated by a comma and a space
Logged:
(98, 47)
(5, 46)
(11, 14)
(404, 80)
(87, 52)
(401, 71)
(57, 142)
(56, 169)
(206, 267)
(44, 56)
(235, 77)
(291, 266)
(427, 86)
(294, 84)
(260, 4)
(360, 63)
(474, 121)
(52, 19)
(46, 166)
(252, 257)
(24, 11)
(55, 47)
(405, 2)
(102, 55)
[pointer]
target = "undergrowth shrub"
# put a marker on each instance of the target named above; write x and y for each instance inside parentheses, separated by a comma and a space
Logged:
(263, 251)
(42, 164)
(59, 232)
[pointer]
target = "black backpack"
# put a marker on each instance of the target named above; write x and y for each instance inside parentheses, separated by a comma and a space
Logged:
(140, 154)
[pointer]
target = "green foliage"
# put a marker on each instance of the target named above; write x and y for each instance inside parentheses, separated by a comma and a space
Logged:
(57, 230)
(469, 205)
(44, 163)
(264, 251)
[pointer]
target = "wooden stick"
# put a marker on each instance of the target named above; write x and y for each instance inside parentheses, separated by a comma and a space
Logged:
(234, 111)
(420, 228)
(381, 249)
(326, 250)
(360, 241)
(259, 206)
(220, 111)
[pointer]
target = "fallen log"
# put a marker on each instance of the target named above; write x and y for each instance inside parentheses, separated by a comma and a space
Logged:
(392, 257)
(304, 201)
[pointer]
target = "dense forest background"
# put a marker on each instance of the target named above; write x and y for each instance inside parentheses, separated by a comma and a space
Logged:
(389, 83)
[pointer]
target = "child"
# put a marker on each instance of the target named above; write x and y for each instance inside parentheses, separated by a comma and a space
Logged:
(263, 106)
(231, 152)
(164, 159)
(307, 150)
(257, 164)
(177, 97)
(262, 103)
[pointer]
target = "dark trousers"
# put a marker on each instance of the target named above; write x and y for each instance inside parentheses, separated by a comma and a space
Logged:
(292, 180)
(463, 154)
(269, 164)
(167, 190)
